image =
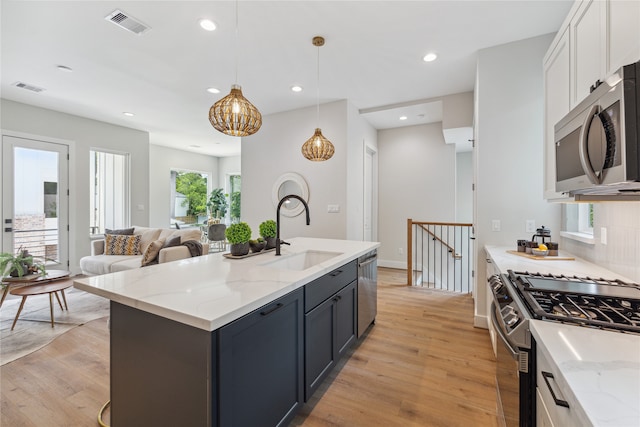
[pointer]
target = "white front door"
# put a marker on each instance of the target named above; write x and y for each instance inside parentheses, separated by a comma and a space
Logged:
(35, 199)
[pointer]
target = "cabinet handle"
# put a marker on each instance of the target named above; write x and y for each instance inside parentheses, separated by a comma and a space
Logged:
(271, 310)
(337, 298)
(335, 273)
(559, 402)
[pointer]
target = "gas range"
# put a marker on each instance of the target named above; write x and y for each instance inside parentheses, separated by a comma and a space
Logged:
(585, 301)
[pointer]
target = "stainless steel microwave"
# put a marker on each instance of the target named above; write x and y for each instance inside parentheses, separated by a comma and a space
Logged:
(597, 143)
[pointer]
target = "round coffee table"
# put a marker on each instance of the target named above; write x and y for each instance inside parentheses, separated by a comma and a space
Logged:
(47, 288)
(31, 279)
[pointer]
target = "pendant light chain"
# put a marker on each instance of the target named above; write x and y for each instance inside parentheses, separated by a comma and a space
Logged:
(318, 90)
(237, 43)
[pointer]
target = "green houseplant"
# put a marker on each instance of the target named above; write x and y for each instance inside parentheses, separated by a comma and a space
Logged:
(19, 264)
(217, 203)
(268, 233)
(238, 235)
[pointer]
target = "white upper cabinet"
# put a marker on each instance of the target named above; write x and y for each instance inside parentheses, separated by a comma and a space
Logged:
(587, 48)
(623, 33)
(597, 38)
(556, 105)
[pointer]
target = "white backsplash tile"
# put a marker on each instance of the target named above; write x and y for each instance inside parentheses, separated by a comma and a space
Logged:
(621, 254)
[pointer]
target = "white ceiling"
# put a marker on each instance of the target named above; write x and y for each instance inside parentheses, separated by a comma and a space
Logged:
(372, 57)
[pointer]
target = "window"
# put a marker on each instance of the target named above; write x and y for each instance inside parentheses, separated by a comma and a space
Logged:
(189, 192)
(585, 218)
(578, 222)
(235, 184)
(109, 191)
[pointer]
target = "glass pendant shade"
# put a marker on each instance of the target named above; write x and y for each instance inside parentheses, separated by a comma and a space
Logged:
(318, 148)
(234, 115)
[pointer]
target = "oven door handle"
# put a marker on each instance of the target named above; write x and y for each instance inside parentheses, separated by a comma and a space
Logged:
(514, 353)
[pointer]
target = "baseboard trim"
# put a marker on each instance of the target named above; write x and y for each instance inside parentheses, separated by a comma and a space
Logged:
(480, 322)
(392, 264)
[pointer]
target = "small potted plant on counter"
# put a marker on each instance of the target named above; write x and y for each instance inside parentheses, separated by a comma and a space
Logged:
(268, 233)
(257, 245)
(238, 236)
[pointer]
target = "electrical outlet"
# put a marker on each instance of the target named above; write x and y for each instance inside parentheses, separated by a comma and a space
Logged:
(603, 235)
(333, 208)
(401, 251)
(530, 226)
(495, 225)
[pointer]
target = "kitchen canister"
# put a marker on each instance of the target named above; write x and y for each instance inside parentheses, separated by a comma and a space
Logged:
(553, 248)
(522, 244)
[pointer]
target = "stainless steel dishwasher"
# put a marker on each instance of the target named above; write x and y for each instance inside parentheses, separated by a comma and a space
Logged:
(367, 290)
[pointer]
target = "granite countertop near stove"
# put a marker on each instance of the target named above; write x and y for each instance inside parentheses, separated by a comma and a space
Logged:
(601, 369)
(210, 291)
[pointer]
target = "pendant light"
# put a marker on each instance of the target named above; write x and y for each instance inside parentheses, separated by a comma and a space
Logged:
(318, 148)
(234, 115)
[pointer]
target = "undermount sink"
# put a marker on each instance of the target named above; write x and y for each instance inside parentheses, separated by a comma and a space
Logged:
(301, 261)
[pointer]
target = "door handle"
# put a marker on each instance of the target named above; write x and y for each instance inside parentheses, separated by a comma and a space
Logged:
(584, 149)
(8, 229)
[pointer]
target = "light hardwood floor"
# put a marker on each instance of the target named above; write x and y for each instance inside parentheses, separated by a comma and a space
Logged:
(422, 364)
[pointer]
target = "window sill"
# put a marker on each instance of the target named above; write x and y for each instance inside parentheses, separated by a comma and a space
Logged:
(580, 237)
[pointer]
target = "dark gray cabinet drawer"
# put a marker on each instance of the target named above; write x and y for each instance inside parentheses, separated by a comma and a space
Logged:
(324, 287)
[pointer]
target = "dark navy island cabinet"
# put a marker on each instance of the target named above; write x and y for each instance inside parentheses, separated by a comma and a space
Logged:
(255, 371)
(260, 374)
(330, 326)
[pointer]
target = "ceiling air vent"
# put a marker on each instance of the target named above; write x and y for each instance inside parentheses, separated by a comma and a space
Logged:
(125, 21)
(27, 86)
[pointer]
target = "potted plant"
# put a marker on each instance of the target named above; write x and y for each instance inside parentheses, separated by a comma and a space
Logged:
(268, 233)
(217, 204)
(238, 235)
(19, 264)
(257, 245)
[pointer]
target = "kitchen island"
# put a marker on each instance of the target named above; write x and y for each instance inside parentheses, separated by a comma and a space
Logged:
(217, 341)
(597, 372)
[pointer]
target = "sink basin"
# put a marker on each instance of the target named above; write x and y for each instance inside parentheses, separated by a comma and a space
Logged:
(301, 261)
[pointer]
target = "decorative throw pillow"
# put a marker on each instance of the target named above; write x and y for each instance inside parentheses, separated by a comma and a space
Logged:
(122, 231)
(151, 253)
(117, 244)
(172, 241)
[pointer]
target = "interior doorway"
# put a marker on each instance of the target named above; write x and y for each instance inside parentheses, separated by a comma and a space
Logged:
(35, 199)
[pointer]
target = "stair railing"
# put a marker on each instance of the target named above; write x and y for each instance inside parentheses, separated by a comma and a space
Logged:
(439, 255)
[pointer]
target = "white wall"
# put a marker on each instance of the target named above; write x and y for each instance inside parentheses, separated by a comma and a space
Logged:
(83, 135)
(162, 161)
(464, 194)
(417, 180)
(621, 254)
(509, 142)
(276, 149)
(228, 166)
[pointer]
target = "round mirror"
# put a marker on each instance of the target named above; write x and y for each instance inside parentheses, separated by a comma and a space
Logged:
(286, 184)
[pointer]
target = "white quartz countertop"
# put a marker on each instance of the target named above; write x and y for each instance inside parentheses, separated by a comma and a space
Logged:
(599, 369)
(579, 267)
(210, 291)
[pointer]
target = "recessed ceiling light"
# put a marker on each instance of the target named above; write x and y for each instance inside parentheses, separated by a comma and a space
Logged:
(403, 117)
(207, 24)
(128, 114)
(65, 68)
(213, 90)
(430, 57)
(296, 88)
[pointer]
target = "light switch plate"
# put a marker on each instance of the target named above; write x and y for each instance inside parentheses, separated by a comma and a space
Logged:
(495, 225)
(603, 235)
(530, 226)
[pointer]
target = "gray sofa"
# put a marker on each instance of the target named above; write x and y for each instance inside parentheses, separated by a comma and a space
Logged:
(99, 263)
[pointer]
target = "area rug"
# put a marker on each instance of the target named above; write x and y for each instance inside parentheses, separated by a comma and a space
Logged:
(33, 329)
